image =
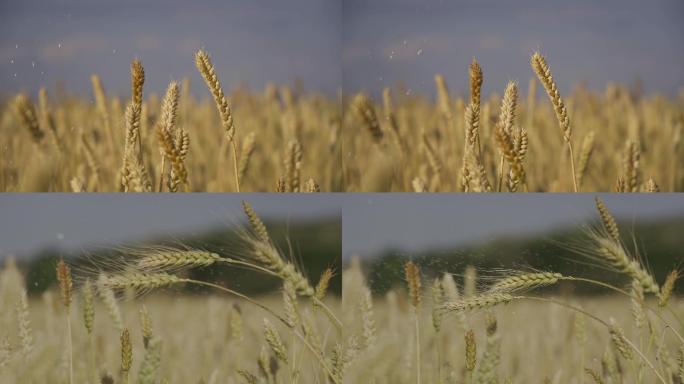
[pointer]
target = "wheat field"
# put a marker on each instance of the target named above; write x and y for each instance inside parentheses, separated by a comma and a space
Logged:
(287, 140)
(526, 137)
(469, 325)
(281, 139)
(130, 317)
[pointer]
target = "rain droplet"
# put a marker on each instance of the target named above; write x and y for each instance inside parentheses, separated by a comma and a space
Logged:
(16, 46)
(33, 64)
(404, 43)
(391, 56)
(11, 61)
(113, 50)
(419, 51)
(15, 75)
(408, 92)
(59, 45)
(60, 236)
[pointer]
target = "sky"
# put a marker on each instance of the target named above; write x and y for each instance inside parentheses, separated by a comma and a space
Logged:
(590, 41)
(409, 223)
(253, 42)
(32, 221)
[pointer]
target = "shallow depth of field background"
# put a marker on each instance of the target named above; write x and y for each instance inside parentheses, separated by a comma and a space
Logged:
(534, 341)
(205, 334)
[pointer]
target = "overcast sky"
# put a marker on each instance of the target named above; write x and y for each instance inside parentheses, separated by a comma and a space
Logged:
(414, 222)
(43, 41)
(592, 41)
(32, 221)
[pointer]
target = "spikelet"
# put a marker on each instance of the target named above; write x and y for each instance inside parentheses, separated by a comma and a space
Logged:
(637, 301)
(470, 350)
(323, 283)
(312, 186)
(236, 323)
(165, 129)
(100, 98)
(668, 287)
(25, 330)
(174, 259)
(651, 186)
(150, 366)
(293, 165)
(145, 326)
(477, 302)
(88, 306)
(109, 299)
(274, 342)
(391, 121)
(615, 256)
(543, 72)
(126, 353)
(140, 281)
(27, 116)
(290, 304)
(66, 285)
(246, 154)
(508, 105)
(438, 296)
(443, 99)
(631, 165)
(46, 119)
(365, 112)
(476, 79)
(607, 219)
(451, 294)
(619, 340)
(367, 319)
(526, 281)
(255, 222)
(268, 255)
(585, 155)
(412, 275)
(594, 375)
(489, 362)
(249, 377)
(507, 148)
(206, 68)
(137, 82)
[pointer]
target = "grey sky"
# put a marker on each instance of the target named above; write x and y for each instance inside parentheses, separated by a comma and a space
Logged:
(43, 41)
(31, 221)
(411, 223)
(387, 41)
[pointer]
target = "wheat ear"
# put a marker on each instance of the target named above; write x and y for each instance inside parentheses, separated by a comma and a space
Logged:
(66, 287)
(541, 68)
(206, 69)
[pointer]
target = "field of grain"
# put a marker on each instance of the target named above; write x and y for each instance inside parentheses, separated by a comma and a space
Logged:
(530, 137)
(141, 316)
(281, 139)
(468, 325)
